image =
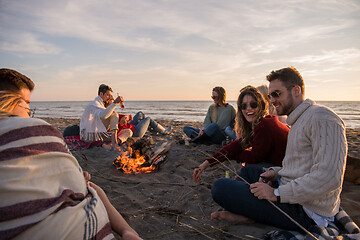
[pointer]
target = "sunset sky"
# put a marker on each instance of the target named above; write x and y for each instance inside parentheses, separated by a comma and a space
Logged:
(180, 50)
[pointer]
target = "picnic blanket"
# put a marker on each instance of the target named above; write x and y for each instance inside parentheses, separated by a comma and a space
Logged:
(43, 193)
(343, 228)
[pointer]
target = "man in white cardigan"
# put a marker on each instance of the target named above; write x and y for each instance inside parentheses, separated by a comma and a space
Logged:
(97, 118)
(308, 185)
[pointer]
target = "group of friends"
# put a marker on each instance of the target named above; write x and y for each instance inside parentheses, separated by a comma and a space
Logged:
(294, 152)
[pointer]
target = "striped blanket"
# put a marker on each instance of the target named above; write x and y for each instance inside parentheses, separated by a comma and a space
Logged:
(43, 194)
(343, 229)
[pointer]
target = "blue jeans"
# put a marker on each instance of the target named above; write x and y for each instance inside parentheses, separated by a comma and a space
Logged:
(230, 132)
(235, 196)
(213, 131)
(142, 124)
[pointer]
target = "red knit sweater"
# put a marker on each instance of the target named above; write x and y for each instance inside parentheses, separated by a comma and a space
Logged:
(268, 144)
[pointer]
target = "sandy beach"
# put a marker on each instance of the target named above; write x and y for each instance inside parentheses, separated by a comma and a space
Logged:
(168, 204)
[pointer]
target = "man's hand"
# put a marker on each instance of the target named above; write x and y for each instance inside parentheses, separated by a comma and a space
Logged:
(267, 177)
(118, 100)
(263, 191)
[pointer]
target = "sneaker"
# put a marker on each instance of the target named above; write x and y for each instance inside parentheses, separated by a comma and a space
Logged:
(168, 130)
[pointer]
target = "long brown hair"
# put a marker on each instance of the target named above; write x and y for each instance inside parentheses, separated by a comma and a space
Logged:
(243, 128)
(221, 94)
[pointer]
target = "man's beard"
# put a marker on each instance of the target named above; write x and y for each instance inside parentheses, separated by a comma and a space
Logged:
(288, 108)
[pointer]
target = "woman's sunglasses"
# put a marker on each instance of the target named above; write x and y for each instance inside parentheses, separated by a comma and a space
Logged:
(214, 97)
(253, 105)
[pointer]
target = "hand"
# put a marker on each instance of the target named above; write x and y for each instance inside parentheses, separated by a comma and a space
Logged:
(201, 132)
(263, 191)
(87, 176)
(118, 99)
(268, 176)
(199, 170)
(129, 117)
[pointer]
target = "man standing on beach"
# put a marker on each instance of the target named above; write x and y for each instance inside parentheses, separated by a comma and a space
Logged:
(97, 118)
(309, 184)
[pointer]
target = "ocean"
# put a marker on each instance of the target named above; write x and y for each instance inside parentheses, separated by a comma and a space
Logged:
(191, 111)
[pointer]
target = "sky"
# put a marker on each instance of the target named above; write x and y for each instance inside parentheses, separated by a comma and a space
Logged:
(180, 50)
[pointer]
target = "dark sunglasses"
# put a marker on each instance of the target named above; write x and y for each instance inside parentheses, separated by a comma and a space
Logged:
(214, 97)
(253, 105)
(275, 94)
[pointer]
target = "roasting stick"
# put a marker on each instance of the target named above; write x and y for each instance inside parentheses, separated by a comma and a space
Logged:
(287, 215)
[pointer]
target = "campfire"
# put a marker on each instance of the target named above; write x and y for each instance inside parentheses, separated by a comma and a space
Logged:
(141, 158)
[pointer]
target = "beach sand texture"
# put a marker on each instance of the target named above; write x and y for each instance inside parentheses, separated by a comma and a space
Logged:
(168, 204)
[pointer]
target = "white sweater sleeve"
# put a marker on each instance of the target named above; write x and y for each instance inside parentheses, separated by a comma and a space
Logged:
(104, 114)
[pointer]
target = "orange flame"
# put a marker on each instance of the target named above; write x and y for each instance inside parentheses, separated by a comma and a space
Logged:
(131, 165)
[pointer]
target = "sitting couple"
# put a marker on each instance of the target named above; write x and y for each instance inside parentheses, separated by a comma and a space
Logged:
(100, 122)
(307, 161)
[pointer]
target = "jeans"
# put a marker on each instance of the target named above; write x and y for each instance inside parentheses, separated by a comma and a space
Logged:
(230, 132)
(213, 131)
(235, 196)
(142, 124)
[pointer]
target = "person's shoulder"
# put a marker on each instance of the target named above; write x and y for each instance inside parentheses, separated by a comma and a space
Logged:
(321, 112)
(229, 106)
(25, 121)
(272, 122)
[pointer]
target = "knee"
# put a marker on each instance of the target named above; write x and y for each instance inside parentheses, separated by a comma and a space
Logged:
(219, 189)
(147, 119)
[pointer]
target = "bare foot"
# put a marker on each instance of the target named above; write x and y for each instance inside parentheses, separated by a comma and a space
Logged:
(230, 217)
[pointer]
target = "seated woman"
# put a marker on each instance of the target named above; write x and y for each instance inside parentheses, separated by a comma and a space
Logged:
(218, 117)
(139, 124)
(263, 139)
(44, 192)
(264, 90)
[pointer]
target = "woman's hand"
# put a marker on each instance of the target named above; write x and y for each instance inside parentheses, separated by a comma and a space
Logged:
(87, 176)
(199, 170)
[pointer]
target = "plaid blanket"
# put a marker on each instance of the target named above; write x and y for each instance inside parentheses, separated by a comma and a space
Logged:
(74, 142)
(343, 228)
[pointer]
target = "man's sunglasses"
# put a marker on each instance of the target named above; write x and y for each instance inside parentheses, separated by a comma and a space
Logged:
(253, 105)
(275, 94)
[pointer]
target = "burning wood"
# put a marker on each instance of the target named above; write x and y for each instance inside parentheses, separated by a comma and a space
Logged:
(140, 158)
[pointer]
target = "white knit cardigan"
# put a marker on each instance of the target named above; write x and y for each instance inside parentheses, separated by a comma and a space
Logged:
(315, 159)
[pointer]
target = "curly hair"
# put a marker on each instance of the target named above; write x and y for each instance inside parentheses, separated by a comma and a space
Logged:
(243, 128)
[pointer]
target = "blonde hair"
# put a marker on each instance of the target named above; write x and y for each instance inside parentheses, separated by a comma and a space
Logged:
(8, 102)
(244, 128)
(264, 90)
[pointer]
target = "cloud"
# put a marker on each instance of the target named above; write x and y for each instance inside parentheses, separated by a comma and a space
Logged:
(28, 43)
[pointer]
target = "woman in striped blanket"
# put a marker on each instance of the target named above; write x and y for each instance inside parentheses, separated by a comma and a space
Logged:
(44, 194)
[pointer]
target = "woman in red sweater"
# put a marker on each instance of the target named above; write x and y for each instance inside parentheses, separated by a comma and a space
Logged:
(262, 137)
